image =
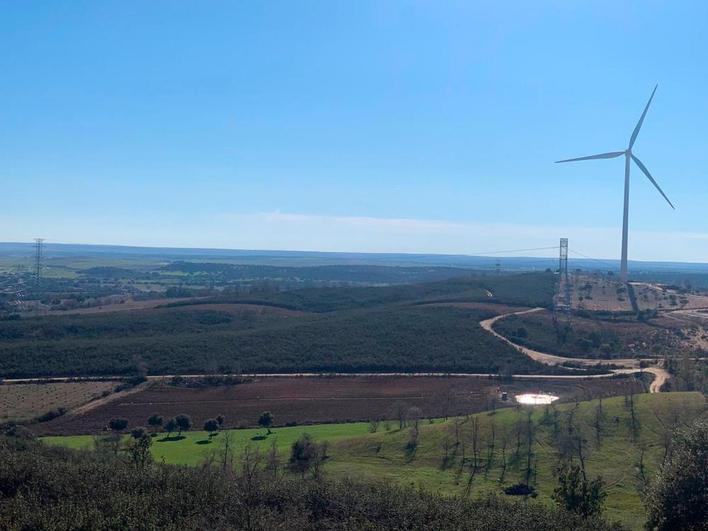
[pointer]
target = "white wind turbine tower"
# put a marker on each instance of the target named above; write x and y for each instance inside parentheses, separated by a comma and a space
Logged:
(628, 155)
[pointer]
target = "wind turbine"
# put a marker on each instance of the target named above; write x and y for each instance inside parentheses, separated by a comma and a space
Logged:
(628, 155)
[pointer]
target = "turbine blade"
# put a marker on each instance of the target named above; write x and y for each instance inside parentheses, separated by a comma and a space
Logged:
(646, 172)
(610, 155)
(641, 120)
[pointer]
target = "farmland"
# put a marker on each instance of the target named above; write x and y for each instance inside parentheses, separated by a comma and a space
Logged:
(26, 401)
(490, 462)
(306, 400)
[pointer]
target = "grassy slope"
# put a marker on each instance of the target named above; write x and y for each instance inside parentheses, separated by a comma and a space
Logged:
(355, 452)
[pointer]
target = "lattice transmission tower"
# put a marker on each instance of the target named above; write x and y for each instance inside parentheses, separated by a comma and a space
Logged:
(563, 261)
(38, 255)
(563, 280)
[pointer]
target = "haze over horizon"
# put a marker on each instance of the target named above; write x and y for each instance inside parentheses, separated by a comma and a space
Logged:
(414, 128)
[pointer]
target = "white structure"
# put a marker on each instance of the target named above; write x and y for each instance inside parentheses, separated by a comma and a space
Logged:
(628, 155)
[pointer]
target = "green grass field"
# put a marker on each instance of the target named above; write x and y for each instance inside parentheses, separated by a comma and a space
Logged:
(383, 455)
(196, 446)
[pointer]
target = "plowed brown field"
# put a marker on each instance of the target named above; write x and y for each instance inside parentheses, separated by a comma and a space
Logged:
(323, 399)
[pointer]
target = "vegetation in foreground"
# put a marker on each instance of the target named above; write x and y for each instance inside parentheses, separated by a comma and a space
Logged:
(56, 488)
(621, 440)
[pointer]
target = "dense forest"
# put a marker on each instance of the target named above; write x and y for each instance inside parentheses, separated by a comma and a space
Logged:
(342, 330)
(405, 338)
(52, 488)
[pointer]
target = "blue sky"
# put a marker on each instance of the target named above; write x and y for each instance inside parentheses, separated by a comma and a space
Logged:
(416, 126)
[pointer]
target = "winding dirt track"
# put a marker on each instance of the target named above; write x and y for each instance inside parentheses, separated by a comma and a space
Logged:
(629, 365)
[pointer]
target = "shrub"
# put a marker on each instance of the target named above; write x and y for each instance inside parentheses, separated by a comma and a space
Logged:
(51, 414)
(678, 497)
(118, 424)
(577, 494)
(306, 455)
(137, 433)
(155, 420)
(520, 489)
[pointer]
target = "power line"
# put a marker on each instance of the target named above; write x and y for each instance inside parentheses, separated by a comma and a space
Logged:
(610, 264)
(513, 251)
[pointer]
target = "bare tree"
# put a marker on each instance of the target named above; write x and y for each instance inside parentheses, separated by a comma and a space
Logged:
(599, 422)
(504, 442)
(273, 460)
(446, 399)
(474, 423)
(634, 426)
(400, 410)
(250, 463)
(490, 447)
(446, 445)
(413, 415)
(530, 437)
(458, 425)
(641, 468)
(518, 432)
(226, 451)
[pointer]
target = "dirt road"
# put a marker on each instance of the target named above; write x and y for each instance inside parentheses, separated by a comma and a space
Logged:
(629, 365)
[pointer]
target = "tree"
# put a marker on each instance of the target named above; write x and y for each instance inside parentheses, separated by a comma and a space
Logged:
(678, 496)
(155, 421)
(413, 415)
(599, 422)
(139, 449)
(577, 494)
(266, 420)
(220, 419)
(306, 455)
(401, 410)
(118, 424)
(171, 426)
(225, 454)
(137, 433)
(212, 426)
(273, 460)
(184, 423)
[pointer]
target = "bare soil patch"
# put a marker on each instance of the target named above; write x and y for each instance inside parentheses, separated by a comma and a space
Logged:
(25, 401)
(304, 400)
